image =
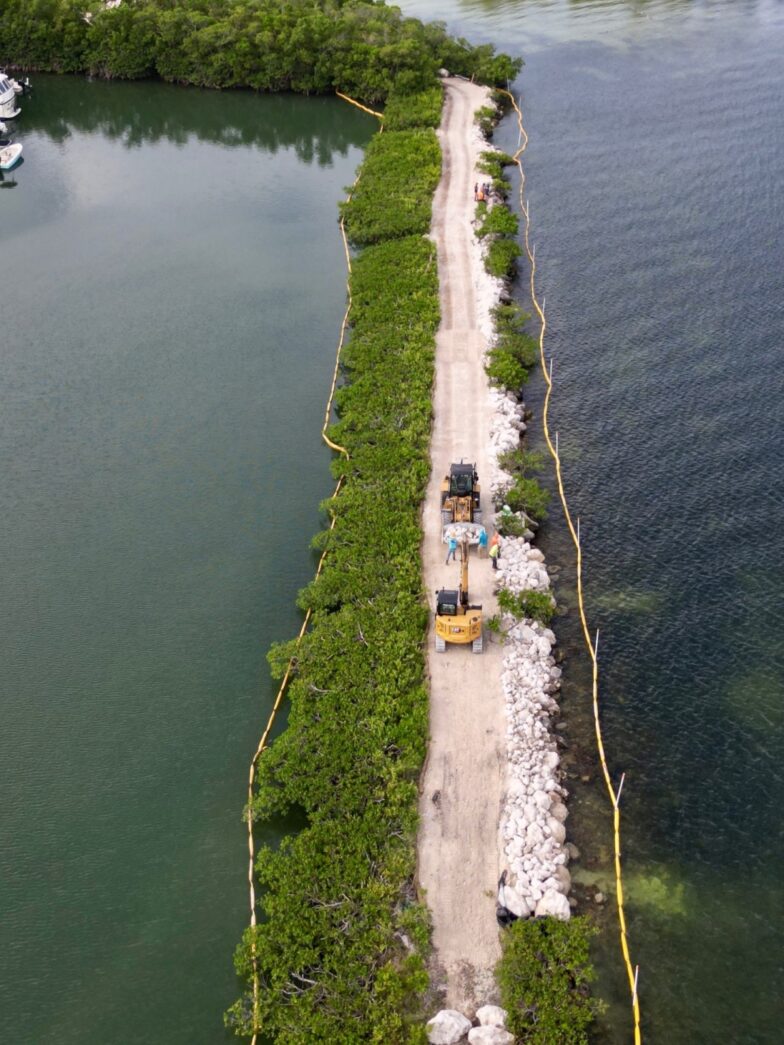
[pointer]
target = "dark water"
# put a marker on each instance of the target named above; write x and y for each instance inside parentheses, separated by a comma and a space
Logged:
(656, 180)
(173, 283)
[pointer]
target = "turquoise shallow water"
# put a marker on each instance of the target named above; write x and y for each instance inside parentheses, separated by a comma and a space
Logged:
(656, 189)
(174, 284)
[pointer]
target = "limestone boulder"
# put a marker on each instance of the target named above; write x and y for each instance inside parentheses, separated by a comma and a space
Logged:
(447, 1027)
(554, 905)
(516, 903)
(557, 830)
(564, 879)
(490, 1036)
(492, 1016)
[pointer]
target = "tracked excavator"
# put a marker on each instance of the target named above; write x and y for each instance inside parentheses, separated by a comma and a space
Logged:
(456, 620)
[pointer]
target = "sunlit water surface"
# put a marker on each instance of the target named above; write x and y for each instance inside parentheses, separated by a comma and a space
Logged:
(655, 175)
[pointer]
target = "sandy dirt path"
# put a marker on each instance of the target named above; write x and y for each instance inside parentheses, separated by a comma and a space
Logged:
(463, 780)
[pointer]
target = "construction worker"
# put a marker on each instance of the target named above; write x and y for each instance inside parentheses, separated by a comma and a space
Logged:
(494, 553)
(495, 548)
(452, 550)
(482, 548)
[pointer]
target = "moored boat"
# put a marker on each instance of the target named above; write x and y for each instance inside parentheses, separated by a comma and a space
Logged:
(8, 106)
(9, 156)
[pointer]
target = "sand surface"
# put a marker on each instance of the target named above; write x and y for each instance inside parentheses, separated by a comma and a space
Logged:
(463, 781)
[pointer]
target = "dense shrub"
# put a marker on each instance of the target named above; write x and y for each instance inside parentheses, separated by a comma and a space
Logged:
(526, 495)
(504, 371)
(493, 164)
(544, 976)
(486, 117)
(495, 221)
(364, 49)
(514, 351)
(521, 462)
(394, 196)
(535, 605)
(423, 109)
(501, 258)
(509, 321)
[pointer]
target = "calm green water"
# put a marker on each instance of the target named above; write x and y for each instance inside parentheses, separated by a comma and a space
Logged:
(656, 180)
(173, 287)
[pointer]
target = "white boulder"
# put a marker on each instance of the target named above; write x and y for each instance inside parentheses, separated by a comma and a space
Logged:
(447, 1027)
(557, 830)
(491, 1016)
(516, 903)
(554, 905)
(490, 1036)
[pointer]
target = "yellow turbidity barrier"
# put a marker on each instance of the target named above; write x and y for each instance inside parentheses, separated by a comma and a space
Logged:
(359, 105)
(263, 743)
(592, 646)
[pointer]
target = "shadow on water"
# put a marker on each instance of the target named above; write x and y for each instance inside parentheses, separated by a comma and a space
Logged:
(144, 112)
(8, 179)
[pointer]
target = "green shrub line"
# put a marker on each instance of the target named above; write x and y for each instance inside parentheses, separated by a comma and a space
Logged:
(497, 223)
(342, 941)
(404, 111)
(514, 352)
(544, 976)
(363, 49)
(395, 193)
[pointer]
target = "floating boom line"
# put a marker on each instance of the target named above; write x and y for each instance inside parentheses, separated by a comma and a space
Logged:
(592, 645)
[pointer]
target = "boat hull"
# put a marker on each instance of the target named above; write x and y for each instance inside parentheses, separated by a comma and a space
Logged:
(10, 157)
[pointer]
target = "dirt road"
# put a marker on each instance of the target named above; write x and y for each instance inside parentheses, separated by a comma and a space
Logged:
(464, 777)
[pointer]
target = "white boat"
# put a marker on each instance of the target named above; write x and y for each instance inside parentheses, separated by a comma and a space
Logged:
(8, 107)
(9, 156)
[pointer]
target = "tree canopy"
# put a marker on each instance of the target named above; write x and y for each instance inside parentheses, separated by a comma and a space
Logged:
(361, 48)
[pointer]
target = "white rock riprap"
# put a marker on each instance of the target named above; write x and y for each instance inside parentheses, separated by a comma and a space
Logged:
(532, 828)
(533, 834)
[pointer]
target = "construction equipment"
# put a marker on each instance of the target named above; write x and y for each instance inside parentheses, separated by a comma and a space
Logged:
(456, 620)
(460, 495)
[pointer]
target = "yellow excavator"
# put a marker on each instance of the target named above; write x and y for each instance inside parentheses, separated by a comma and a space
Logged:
(460, 495)
(456, 620)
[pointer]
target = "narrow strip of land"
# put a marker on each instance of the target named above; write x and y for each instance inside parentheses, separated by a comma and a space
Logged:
(464, 777)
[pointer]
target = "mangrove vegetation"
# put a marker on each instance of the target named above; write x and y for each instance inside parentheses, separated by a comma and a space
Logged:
(342, 944)
(362, 48)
